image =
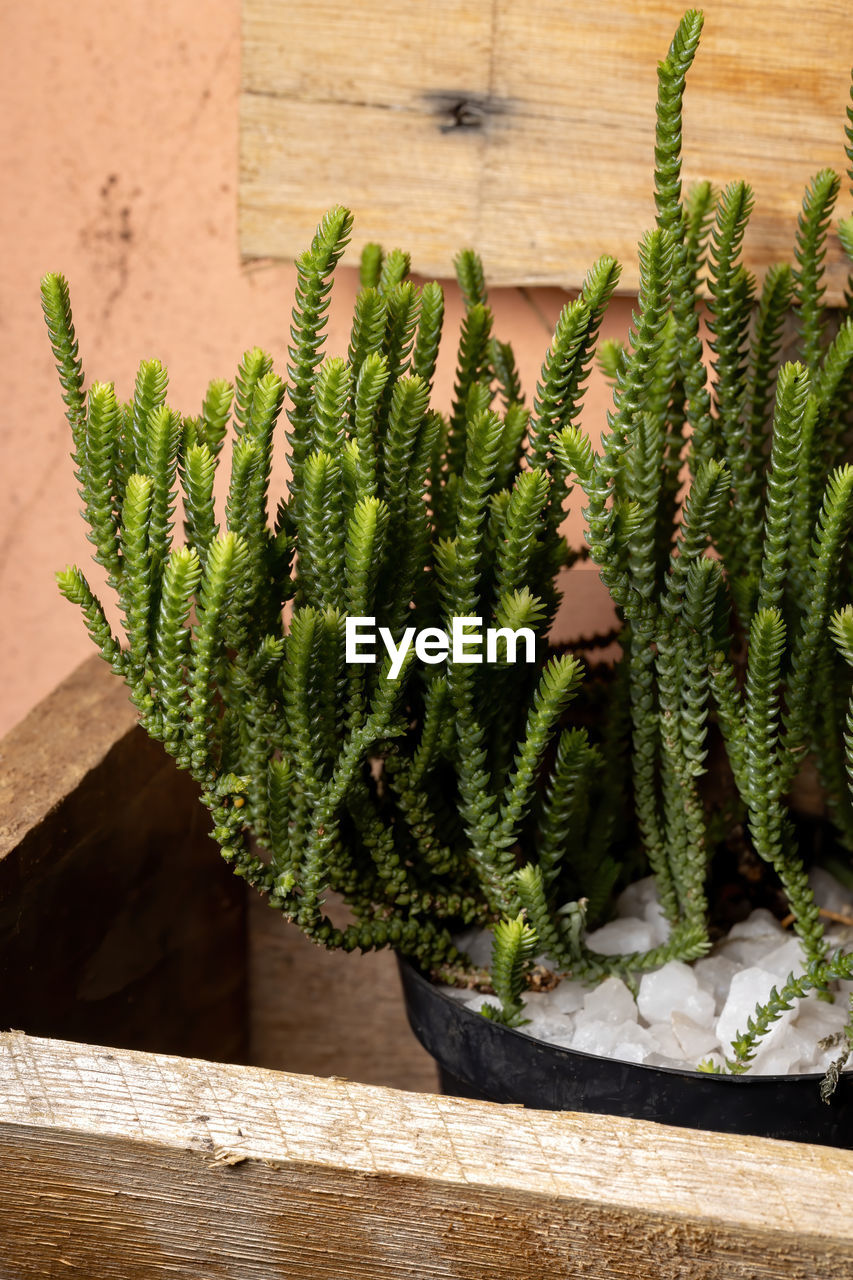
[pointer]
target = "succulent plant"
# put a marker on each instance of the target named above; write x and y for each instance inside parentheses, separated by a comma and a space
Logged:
(431, 794)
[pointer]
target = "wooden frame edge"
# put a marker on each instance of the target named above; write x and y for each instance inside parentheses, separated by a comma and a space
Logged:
(195, 1168)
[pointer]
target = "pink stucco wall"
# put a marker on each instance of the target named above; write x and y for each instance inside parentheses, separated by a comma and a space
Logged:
(119, 148)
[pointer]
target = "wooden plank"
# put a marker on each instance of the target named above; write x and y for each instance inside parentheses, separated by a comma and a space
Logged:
(46, 757)
(119, 922)
(121, 1164)
(324, 1013)
(526, 127)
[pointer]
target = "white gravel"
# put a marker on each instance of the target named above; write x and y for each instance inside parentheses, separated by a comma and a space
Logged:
(684, 1014)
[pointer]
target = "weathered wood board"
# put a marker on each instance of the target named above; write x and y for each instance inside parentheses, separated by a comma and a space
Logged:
(525, 128)
(122, 1164)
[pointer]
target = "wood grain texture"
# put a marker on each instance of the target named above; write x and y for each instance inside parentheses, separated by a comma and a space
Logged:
(119, 922)
(325, 1013)
(45, 758)
(119, 1164)
(525, 128)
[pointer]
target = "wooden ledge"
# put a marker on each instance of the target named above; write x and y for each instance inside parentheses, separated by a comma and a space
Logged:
(136, 1164)
(46, 757)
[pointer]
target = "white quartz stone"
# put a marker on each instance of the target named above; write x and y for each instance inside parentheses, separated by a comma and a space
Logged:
(593, 1036)
(538, 1003)
(639, 895)
(672, 987)
(611, 1001)
(749, 988)
(634, 1043)
(714, 974)
(668, 1046)
(655, 918)
(568, 997)
(549, 1026)
(694, 1040)
(750, 939)
(477, 1001)
(622, 937)
(816, 1019)
(791, 1052)
(563, 1040)
(626, 1041)
(746, 953)
(759, 924)
(785, 959)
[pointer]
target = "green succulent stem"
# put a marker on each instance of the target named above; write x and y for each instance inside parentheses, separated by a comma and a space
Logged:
(370, 685)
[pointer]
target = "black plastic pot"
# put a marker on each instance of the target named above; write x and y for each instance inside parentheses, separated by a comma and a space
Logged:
(481, 1059)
